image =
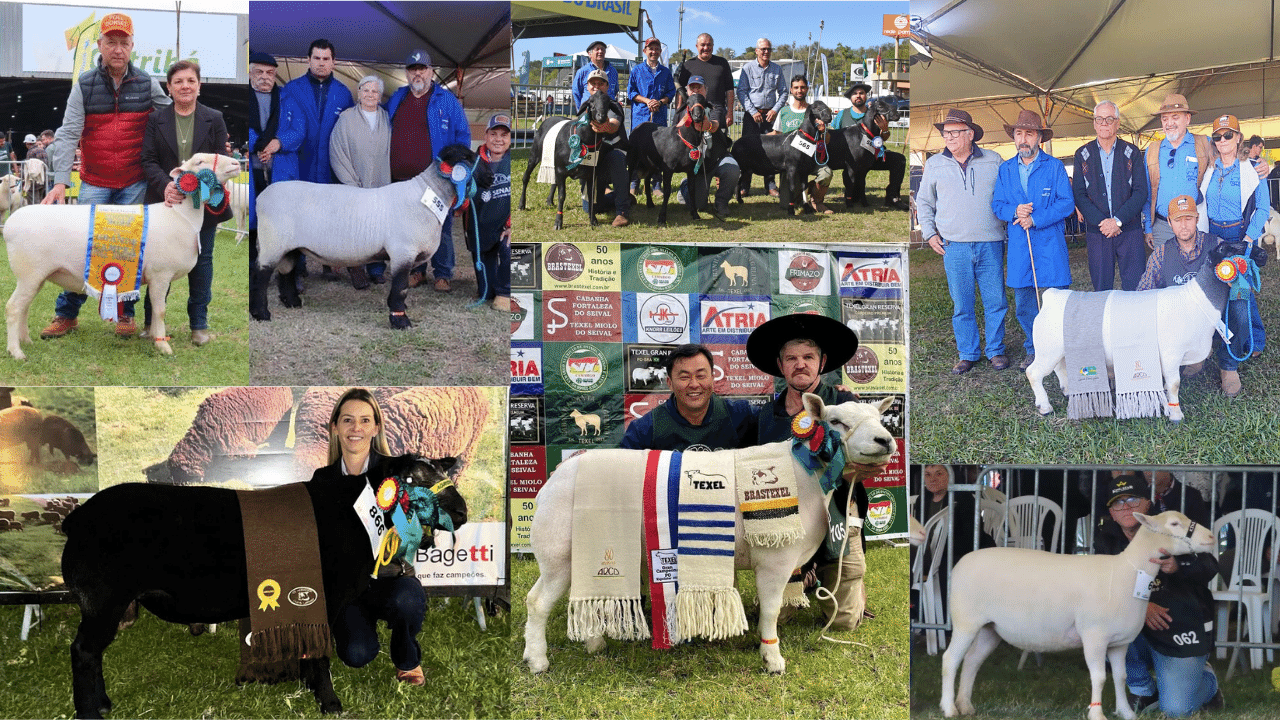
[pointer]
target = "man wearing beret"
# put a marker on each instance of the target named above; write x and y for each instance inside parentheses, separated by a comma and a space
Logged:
(595, 53)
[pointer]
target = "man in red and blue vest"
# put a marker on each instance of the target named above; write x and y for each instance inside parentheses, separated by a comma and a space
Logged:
(108, 110)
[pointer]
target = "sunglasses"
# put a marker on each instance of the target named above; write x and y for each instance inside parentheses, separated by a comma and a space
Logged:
(1127, 503)
(1171, 152)
(1228, 135)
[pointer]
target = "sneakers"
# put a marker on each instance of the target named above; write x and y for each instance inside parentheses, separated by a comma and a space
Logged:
(413, 677)
(126, 328)
(59, 327)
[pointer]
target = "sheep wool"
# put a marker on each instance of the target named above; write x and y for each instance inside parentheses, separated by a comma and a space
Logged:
(229, 424)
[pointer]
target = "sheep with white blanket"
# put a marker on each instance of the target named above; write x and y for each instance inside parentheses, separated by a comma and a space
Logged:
(867, 447)
(1185, 318)
(1041, 601)
(48, 242)
(346, 226)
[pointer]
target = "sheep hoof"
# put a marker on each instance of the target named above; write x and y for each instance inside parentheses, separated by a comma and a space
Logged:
(264, 316)
(291, 302)
(18, 354)
(537, 666)
(163, 347)
(595, 644)
(400, 321)
(331, 707)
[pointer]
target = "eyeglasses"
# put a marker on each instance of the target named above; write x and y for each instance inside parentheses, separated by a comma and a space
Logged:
(764, 49)
(1126, 504)
(1104, 120)
(1228, 135)
(951, 134)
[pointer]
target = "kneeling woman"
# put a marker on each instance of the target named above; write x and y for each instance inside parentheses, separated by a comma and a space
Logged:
(358, 444)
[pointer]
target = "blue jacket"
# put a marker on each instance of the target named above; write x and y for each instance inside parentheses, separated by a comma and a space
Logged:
(653, 84)
(580, 83)
(305, 129)
(1129, 185)
(445, 117)
(1049, 188)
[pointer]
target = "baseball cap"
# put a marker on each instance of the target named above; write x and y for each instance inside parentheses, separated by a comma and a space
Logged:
(651, 41)
(696, 80)
(598, 75)
(499, 120)
(418, 57)
(115, 23)
(1225, 122)
(1182, 206)
(29, 138)
(1128, 486)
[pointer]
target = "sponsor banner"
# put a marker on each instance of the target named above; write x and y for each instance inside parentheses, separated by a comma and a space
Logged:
(812, 304)
(528, 470)
(525, 421)
(662, 318)
(522, 510)
(875, 320)
(569, 315)
(877, 368)
(526, 264)
(734, 374)
(896, 26)
(582, 368)
(730, 318)
(614, 12)
(804, 272)
(646, 368)
(585, 421)
(526, 368)
(476, 557)
(524, 316)
(582, 266)
(867, 274)
(660, 268)
(633, 406)
(737, 270)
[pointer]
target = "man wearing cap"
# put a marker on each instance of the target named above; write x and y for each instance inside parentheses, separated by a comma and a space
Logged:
(1033, 195)
(595, 53)
(953, 206)
(726, 170)
(1175, 166)
(493, 213)
(1110, 188)
(1177, 637)
(611, 167)
(762, 90)
(35, 150)
(426, 117)
(694, 417)
(895, 163)
(106, 117)
(800, 349)
(263, 144)
(650, 88)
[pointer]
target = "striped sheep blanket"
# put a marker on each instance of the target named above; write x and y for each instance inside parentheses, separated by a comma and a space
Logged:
(1139, 389)
(682, 504)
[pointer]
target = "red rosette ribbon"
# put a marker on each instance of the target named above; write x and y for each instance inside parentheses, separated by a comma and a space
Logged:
(188, 182)
(387, 494)
(815, 441)
(694, 155)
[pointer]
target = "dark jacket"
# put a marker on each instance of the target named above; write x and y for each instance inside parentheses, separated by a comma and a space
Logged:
(160, 151)
(334, 471)
(1129, 186)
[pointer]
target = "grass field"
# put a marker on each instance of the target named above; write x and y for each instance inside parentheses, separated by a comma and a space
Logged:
(760, 218)
(726, 679)
(989, 417)
(341, 336)
(17, 475)
(1060, 689)
(156, 669)
(93, 355)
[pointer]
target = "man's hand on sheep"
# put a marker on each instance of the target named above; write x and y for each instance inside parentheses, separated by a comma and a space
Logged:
(56, 195)
(172, 195)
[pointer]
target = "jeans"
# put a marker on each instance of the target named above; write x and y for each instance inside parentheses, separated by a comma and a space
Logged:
(68, 303)
(727, 172)
(442, 261)
(1184, 684)
(1027, 307)
(398, 601)
(200, 283)
(971, 267)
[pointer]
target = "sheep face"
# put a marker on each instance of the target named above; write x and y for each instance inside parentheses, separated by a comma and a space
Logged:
(223, 166)
(428, 473)
(821, 114)
(697, 105)
(866, 442)
(454, 154)
(1187, 536)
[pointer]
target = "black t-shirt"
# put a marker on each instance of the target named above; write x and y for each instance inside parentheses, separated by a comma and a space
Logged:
(715, 72)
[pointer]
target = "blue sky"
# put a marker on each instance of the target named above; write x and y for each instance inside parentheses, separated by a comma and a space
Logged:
(739, 24)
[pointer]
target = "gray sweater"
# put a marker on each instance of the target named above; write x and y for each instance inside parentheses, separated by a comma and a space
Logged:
(956, 203)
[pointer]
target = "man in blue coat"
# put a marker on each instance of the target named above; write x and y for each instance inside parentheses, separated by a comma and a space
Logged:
(1110, 186)
(1033, 195)
(310, 106)
(595, 53)
(426, 117)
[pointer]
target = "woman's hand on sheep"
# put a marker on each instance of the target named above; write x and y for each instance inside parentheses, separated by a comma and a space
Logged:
(1167, 562)
(172, 195)
(1158, 618)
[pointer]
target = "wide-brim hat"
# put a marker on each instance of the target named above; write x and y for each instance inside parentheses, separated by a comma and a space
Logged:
(833, 337)
(1127, 486)
(959, 116)
(848, 94)
(1030, 120)
(1173, 102)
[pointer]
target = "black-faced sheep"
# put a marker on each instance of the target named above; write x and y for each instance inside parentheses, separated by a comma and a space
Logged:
(229, 425)
(203, 579)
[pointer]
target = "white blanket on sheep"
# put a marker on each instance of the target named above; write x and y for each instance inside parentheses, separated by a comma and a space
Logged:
(1136, 355)
(547, 167)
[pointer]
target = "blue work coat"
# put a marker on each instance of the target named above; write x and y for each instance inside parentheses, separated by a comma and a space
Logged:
(305, 129)
(1049, 190)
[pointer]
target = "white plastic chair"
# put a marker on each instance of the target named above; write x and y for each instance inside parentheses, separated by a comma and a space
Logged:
(993, 520)
(1250, 584)
(928, 583)
(1029, 514)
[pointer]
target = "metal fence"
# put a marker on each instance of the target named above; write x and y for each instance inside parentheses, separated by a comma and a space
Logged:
(32, 183)
(1057, 509)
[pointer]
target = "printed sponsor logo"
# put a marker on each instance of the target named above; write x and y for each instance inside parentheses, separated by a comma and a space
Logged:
(608, 568)
(659, 269)
(564, 262)
(663, 318)
(705, 481)
(303, 596)
(1089, 371)
(804, 272)
(1138, 372)
(870, 272)
(880, 510)
(526, 365)
(864, 366)
(584, 369)
(732, 318)
(518, 315)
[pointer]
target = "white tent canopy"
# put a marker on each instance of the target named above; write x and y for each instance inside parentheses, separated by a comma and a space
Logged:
(996, 57)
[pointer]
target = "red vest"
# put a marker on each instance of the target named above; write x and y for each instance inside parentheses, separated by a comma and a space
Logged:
(114, 124)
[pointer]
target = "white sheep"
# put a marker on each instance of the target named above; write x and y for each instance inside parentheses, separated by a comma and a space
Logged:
(1041, 601)
(865, 441)
(1185, 319)
(345, 226)
(48, 242)
(1271, 231)
(8, 187)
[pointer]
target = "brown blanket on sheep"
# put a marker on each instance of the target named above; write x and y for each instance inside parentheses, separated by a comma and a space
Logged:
(287, 614)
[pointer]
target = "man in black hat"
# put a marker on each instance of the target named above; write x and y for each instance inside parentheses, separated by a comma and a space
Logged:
(895, 163)
(263, 144)
(595, 53)
(694, 417)
(801, 348)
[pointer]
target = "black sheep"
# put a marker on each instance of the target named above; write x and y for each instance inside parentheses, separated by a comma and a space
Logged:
(180, 552)
(60, 434)
(664, 151)
(853, 149)
(775, 154)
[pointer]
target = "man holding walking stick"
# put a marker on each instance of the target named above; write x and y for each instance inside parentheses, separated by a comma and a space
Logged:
(1033, 195)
